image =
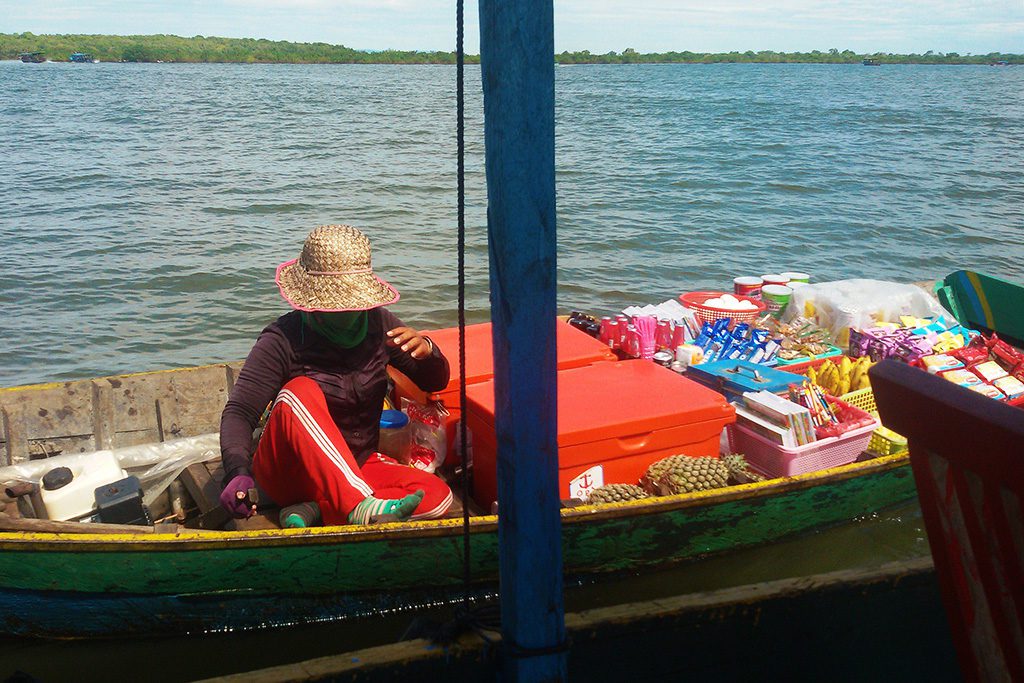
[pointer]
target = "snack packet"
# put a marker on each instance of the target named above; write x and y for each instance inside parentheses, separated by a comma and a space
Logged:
(427, 435)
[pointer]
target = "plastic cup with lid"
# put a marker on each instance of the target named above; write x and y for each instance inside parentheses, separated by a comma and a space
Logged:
(747, 286)
(775, 279)
(777, 297)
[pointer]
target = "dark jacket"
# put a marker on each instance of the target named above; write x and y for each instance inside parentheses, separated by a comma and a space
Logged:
(354, 382)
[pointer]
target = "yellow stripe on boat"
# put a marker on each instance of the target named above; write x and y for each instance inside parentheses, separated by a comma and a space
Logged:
(982, 300)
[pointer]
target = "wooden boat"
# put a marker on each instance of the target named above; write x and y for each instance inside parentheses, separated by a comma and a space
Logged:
(881, 623)
(984, 302)
(966, 456)
(32, 57)
(70, 579)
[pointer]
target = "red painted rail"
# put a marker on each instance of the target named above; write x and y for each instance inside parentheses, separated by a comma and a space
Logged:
(967, 454)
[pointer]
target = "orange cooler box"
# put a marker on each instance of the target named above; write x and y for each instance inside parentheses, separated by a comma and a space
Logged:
(614, 420)
(575, 349)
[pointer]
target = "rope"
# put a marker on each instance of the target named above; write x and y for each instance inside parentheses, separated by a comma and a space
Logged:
(483, 620)
(460, 137)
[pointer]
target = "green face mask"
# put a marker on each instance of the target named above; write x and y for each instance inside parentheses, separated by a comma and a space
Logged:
(346, 329)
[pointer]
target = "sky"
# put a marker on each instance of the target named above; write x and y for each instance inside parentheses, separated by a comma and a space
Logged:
(864, 26)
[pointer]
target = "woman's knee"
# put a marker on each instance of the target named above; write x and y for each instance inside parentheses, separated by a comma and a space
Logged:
(437, 500)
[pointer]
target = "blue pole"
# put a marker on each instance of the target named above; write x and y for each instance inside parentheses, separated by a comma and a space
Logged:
(517, 66)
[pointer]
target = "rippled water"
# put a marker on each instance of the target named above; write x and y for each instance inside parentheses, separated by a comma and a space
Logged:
(143, 208)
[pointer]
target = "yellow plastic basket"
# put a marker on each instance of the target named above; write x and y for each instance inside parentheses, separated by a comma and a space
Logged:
(884, 441)
(863, 399)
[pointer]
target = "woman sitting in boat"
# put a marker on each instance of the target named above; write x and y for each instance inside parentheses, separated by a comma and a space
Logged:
(324, 367)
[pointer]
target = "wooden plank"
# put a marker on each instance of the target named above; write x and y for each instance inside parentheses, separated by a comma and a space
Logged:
(199, 397)
(254, 523)
(516, 44)
(201, 486)
(103, 414)
(166, 419)
(15, 432)
(190, 404)
(135, 408)
(74, 417)
(205, 491)
(54, 527)
(861, 622)
(60, 411)
(230, 374)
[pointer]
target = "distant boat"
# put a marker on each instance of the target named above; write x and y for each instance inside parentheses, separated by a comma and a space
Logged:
(871, 62)
(82, 58)
(1001, 62)
(32, 57)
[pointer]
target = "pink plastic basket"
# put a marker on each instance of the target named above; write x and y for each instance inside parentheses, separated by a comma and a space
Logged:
(774, 460)
(709, 314)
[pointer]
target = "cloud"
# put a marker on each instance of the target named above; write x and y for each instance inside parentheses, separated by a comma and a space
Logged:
(977, 26)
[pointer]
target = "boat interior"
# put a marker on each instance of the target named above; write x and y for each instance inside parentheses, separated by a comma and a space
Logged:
(43, 421)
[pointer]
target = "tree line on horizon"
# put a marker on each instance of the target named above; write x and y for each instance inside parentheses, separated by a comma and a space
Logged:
(204, 49)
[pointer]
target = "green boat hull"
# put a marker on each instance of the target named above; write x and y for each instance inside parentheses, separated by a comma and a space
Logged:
(59, 585)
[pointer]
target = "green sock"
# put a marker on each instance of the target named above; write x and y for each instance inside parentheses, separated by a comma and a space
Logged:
(371, 507)
(300, 516)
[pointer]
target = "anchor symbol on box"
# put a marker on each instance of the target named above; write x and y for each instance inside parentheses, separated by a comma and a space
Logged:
(581, 486)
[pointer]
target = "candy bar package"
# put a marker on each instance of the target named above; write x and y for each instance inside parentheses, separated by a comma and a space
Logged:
(1011, 386)
(964, 378)
(941, 363)
(989, 371)
(988, 390)
(970, 355)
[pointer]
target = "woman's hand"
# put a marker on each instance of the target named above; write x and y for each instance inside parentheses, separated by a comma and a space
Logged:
(235, 497)
(410, 341)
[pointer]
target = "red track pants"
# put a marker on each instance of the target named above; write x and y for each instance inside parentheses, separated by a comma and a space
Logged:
(303, 457)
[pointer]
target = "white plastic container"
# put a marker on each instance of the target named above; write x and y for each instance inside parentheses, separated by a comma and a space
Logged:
(78, 497)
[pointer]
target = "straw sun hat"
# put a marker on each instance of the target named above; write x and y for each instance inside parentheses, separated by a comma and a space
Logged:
(333, 273)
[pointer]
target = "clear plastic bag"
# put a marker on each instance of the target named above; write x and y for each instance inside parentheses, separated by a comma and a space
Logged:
(428, 436)
(858, 304)
(155, 464)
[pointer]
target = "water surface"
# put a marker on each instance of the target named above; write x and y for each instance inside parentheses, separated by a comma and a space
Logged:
(145, 206)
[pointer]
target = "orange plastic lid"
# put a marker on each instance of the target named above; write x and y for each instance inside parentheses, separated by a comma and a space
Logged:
(612, 400)
(575, 349)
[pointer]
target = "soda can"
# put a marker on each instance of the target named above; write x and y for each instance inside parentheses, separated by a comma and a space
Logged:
(663, 335)
(632, 344)
(606, 334)
(678, 336)
(623, 323)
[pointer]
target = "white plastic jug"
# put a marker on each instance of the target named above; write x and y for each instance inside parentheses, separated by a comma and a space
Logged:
(77, 498)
